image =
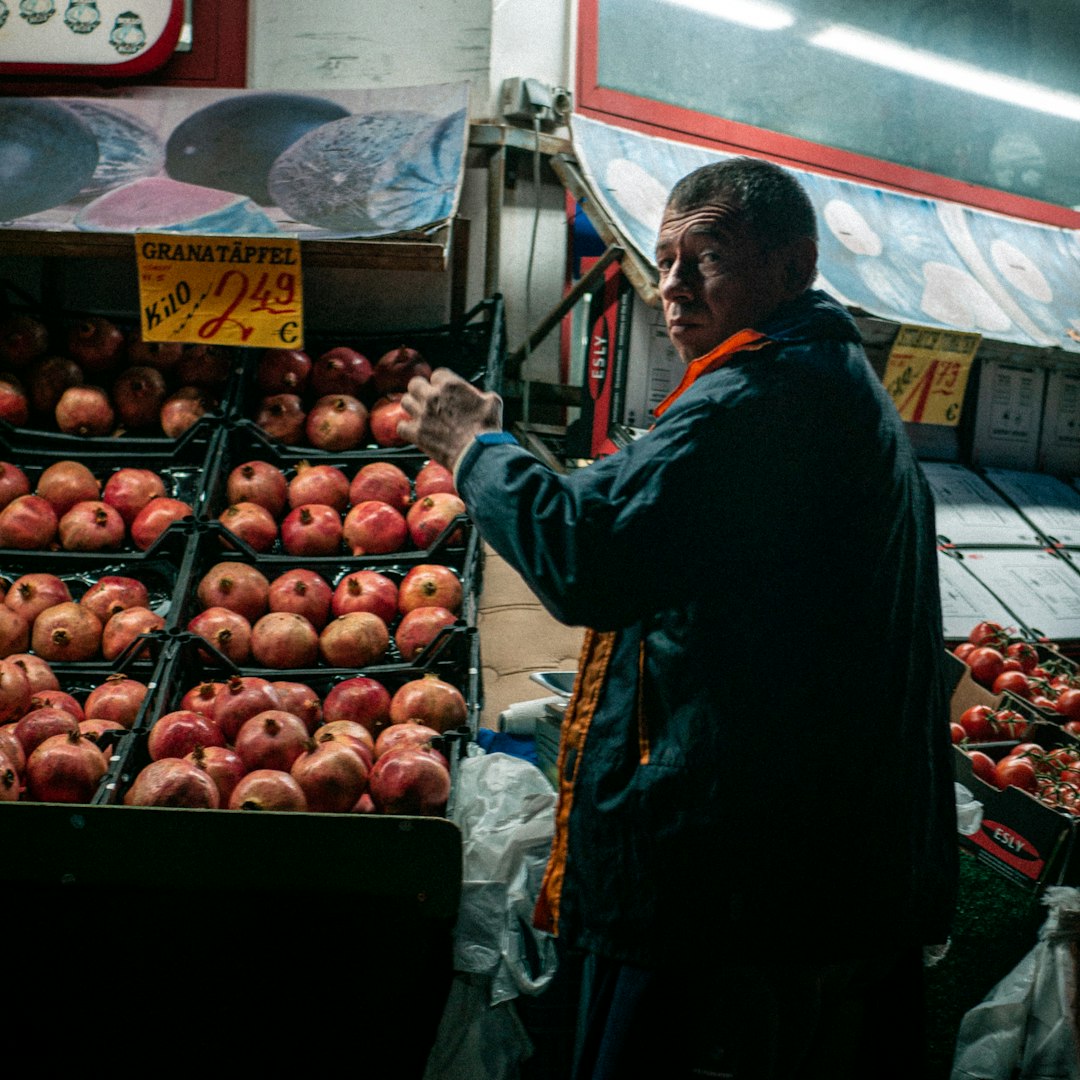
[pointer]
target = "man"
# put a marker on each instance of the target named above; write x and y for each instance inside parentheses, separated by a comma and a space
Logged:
(755, 831)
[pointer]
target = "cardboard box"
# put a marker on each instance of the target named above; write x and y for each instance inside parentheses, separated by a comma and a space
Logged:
(1008, 414)
(1059, 444)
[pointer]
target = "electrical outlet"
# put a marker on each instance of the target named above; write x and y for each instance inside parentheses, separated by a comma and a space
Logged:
(527, 100)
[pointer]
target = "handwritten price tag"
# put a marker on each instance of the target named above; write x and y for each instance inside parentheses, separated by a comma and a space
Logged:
(927, 373)
(225, 290)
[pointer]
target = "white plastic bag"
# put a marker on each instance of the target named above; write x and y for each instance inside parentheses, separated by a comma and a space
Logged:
(1026, 1029)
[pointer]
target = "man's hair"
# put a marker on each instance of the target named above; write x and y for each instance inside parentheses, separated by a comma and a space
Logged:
(775, 204)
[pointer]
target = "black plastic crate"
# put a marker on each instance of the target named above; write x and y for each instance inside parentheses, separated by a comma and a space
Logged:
(474, 347)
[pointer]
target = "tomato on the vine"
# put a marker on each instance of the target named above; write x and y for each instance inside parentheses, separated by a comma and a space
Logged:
(963, 650)
(1068, 703)
(977, 721)
(1017, 772)
(957, 733)
(1025, 653)
(1016, 682)
(1011, 724)
(982, 765)
(986, 633)
(985, 664)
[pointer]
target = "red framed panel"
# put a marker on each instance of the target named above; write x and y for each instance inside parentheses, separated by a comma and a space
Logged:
(703, 129)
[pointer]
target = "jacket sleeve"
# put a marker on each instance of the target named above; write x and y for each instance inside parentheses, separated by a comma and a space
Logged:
(616, 541)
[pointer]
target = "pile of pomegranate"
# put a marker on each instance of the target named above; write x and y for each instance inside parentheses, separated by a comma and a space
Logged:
(249, 743)
(70, 509)
(322, 511)
(93, 378)
(339, 401)
(38, 612)
(297, 618)
(54, 748)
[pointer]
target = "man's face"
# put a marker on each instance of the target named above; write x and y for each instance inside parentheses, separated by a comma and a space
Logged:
(715, 278)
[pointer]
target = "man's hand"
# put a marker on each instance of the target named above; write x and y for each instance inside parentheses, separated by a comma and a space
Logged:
(447, 413)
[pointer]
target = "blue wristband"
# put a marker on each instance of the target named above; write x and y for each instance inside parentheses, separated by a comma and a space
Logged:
(495, 438)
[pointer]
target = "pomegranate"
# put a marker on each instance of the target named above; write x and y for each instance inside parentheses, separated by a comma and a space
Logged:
(361, 700)
(271, 740)
(28, 523)
(201, 698)
(84, 410)
(67, 633)
(177, 733)
(416, 736)
(113, 593)
(431, 516)
(429, 585)
(283, 639)
(383, 482)
(31, 594)
(159, 355)
(47, 380)
(13, 483)
(96, 344)
(429, 700)
(65, 768)
(323, 484)
(242, 697)
(386, 414)
(204, 366)
(258, 482)
(283, 371)
(364, 805)
(155, 517)
(224, 766)
(251, 523)
(14, 632)
(331, 775)
(118, 699)
(366, 590)
(11, 748)
(409, 781)
(57, 699)
(302, 592)
(237, 586)
(300, 700)
(228, 631)
(138, 395)
(184, 410)
(311, 529)
(173, 782)
(65, 483)
(9, 780)
(353, 735)
(99, 732)
(336, 422)
(374, 528)
(355, 640)
(128, 490)
(282, 417)
(419, 628)
(434, 477)
(91, 526)
(22, 338)
(268, 789)
(395, 368)
(14, 404)
(340, 371)
(124, 628)
(40, 724)
(37, 671)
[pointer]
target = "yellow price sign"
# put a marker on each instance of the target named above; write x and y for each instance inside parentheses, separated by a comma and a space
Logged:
(927, 373)
(222, 290)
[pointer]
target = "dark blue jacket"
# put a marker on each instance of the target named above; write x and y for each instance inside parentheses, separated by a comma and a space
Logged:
(771, 542)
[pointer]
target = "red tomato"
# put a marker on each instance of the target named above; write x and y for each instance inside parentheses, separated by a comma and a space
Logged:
(1040, 701)
(977, 721)
(1068, 703)
(1010, 663)
(1025, 653)
(982, 765)
(986, 633)
(1063, 756)
(985, 664)
(957, 732)
(1072, 727)
(1016, 682)
(1010, 723)
(963, 649)
(1017, 772)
